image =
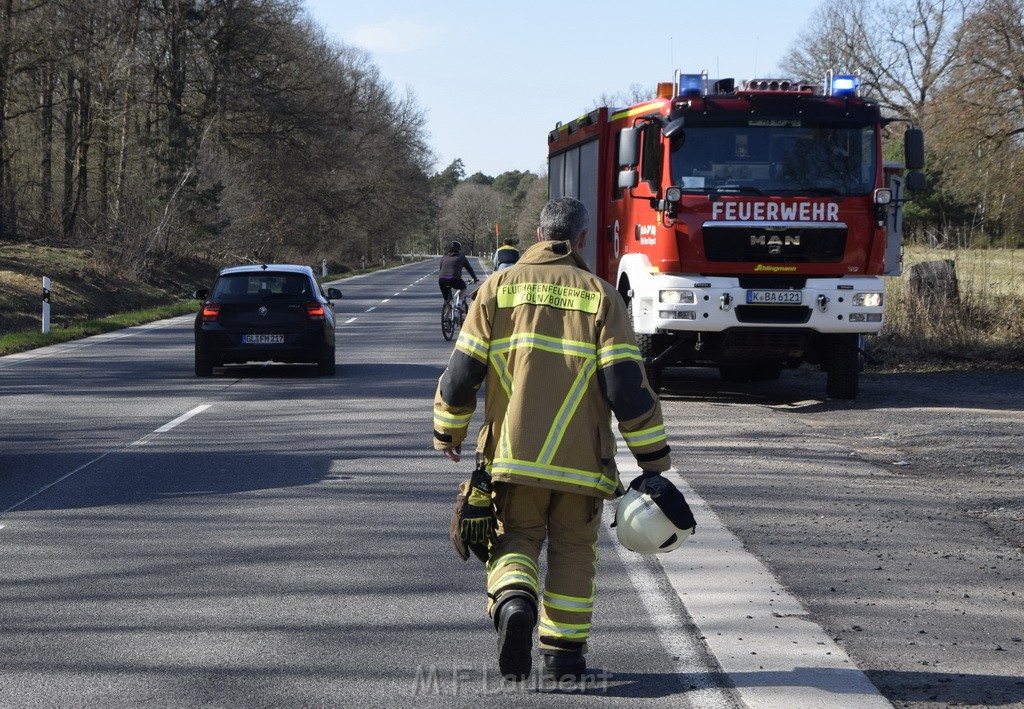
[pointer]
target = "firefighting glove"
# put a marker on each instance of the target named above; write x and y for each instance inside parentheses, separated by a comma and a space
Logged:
(478, 523)
(474, 527)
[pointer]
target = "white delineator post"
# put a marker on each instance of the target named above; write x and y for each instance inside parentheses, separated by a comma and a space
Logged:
(46, 305)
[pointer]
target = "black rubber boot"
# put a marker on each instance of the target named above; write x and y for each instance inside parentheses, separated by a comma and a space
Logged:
(516, 618)
(564, 664)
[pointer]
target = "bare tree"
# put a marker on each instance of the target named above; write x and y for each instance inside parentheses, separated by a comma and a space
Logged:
(230, 128)
(902, 49)
(528, 218)
(469, 217)
(979, 119)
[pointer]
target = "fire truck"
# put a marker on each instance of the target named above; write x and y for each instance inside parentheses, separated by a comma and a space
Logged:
(747, 226)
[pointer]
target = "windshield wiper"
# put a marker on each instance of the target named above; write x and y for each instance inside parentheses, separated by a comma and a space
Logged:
(742, 189)
(817, 191)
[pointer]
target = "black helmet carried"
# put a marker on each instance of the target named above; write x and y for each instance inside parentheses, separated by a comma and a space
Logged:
(455, 247)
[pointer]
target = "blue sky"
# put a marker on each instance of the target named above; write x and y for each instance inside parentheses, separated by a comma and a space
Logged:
(494, 77)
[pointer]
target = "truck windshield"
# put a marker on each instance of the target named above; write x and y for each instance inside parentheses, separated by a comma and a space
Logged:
(775, 157)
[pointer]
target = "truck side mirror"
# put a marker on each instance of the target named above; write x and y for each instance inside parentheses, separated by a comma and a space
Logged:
(629, 148)
(913, 148)
(628, 179)
(916, 181)
(674, 127)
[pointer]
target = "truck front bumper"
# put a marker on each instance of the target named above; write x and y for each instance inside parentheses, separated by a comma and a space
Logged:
(714, 304)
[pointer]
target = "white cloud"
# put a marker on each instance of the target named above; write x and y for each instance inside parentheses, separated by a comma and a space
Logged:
(395, 36)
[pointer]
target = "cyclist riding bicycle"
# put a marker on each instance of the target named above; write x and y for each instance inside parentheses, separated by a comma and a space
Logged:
(507, 255)
(450, 272)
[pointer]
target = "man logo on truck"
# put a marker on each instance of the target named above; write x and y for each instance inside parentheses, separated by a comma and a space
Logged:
(775, 242)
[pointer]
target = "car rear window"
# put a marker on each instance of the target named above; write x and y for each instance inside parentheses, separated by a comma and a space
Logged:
(257, 286)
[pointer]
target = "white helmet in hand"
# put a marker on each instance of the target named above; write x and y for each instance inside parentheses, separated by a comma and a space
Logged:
(653, 517)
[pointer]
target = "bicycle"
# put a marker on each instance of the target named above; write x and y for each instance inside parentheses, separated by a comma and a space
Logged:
(453, 314)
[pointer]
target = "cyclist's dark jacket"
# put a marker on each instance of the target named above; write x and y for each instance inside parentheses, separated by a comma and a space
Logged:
(451, 267)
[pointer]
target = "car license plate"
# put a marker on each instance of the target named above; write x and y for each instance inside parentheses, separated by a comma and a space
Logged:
(263, 339)
(774, 297)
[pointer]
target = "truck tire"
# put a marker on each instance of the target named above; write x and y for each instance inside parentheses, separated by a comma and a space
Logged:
(842, 367)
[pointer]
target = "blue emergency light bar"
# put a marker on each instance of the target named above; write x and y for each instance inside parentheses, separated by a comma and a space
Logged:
(691, 84)
(845, 85)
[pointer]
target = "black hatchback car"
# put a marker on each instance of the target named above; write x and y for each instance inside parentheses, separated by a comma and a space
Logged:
(268, 313)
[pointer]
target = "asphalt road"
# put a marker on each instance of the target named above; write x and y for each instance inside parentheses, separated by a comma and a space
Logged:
(270, 538)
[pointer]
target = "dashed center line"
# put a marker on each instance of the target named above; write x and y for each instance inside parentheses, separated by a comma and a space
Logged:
(142, 441)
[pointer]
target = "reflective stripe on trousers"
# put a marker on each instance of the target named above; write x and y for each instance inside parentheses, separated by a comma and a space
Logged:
(570, 522)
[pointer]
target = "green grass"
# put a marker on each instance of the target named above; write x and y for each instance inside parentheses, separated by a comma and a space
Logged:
(26, 340)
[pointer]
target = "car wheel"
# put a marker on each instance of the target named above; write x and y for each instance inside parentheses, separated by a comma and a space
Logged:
(326, 367)
(203, 366)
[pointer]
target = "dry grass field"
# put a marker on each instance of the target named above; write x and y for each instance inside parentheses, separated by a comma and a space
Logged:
(982, 327)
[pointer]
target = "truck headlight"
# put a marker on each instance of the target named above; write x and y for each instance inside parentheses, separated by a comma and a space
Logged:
(675, 297)
(868, 300)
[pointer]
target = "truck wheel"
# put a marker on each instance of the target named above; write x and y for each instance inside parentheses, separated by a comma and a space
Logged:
(648, 346)
(843, 367)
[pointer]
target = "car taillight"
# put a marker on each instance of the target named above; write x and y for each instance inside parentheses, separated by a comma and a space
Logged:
(210, 311)
(315, 310)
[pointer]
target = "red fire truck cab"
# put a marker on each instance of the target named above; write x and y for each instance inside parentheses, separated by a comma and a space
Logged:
(748, 228)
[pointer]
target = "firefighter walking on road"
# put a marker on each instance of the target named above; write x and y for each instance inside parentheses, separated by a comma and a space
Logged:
(554, 345)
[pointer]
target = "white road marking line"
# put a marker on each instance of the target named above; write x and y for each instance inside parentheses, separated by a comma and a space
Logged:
(690, 662)
(350, 320)
(58, 480)
(385, 301)
(183, 418)
(370, 310)
(163, 429)
(775, 657)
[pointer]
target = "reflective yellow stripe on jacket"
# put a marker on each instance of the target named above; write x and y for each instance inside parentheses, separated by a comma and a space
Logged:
(552, 473)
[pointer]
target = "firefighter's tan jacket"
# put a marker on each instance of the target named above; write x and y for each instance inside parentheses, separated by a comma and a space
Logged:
(554, 344)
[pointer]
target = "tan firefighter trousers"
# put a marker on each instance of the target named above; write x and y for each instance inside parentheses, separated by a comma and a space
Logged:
(571, 523)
